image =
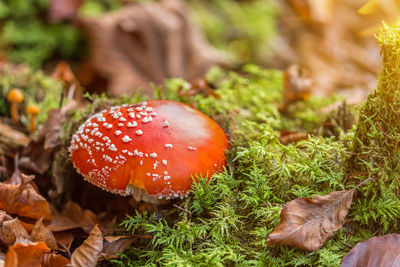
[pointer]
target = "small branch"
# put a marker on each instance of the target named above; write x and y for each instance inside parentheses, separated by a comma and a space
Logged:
(179, 207)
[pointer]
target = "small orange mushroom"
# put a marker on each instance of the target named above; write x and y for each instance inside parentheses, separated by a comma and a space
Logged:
(32, 111)
(15, 97)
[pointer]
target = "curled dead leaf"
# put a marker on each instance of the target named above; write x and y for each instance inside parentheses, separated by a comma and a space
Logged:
(89, 252)
(115, 244)
(53, 260)
(73, 216)
(156, 40)
(12, 231)
(378, 251)
(308, 223)
(25, 254)
(23, 200)
(41, 233)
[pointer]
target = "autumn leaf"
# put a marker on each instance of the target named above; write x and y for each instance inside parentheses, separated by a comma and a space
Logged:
(377, 251)
(73, 216)
(63, 9)
(41, 233)
(114, 245)
(308, 223)
(53, 260)
(89, 252)
(23, 200)
(25, 254)
(12, 231)
(142, 53)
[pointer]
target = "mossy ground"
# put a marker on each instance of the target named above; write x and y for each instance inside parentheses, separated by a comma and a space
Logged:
(226, 221)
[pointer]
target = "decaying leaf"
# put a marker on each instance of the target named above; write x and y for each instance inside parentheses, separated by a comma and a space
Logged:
(53, 260)
(72, 87)
(288, 137)
(89, 252)
(63, 9)
(64, 239)
(73, 216)
(12, 231)
(115, 244)
(308, 223)
(378, 251)
(296, 84)
(156, 40)
(41, 233)
(23, 200)
(25, 254)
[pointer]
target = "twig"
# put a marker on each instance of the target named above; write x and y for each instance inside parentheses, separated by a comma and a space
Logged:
(183, 209)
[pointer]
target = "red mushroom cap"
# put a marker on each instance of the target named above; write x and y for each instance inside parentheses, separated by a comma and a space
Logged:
(157, 146)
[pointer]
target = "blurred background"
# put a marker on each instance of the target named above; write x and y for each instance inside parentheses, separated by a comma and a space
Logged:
(116, 46)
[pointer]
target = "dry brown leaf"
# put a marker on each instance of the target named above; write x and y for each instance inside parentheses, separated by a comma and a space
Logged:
(73, 216)
(72, 87)
(63, 9)
(115, 244)
(12, 231)
(308, 223)
(64, 239)
(23, 200)
(378, 251)
(25, 255)
(89, 252)
(41, 233)
(296, 84)
(53, 260)
(288, 137)
(155, 40)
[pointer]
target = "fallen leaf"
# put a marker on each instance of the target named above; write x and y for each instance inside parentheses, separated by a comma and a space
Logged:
(73, 216)
(23, 200)
(63, 9)
(12, 140)
(25, 254)
(378, 251)
(39, 154)
(143, 54)
(41, 233)
(64, 239)
(308, 223)
(53, 260)
(12, 231)
(72, 87)
(87, 254)
(115, 244)
(288, 137)
(296, 84)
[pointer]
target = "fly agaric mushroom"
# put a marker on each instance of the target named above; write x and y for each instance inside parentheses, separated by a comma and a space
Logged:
(32, 111)
(15, 97)
(150, 150)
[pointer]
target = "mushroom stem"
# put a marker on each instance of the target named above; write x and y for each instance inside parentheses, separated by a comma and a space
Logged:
(14, 111)
(32, 123)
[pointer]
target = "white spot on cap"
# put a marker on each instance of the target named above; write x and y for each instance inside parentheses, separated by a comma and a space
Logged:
(153, 155)
(139, 132)
(112, 148)
(191, 148)
(109, 126)
(145, 119)
(132, 115)
(168, 145)
(118, 132)
(149, 109)
(120, 124)
(164, 162)
(132, 124)
(165, 124)
(122, 119)
(126, 139)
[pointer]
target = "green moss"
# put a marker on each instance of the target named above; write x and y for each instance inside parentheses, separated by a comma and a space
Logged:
(231, 216)
(377, 135)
